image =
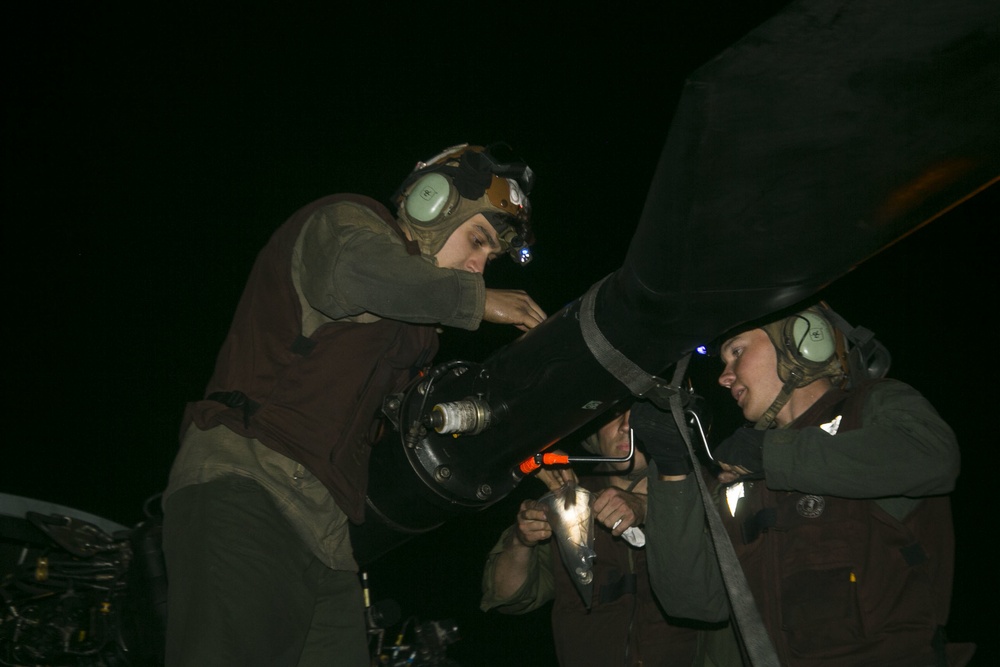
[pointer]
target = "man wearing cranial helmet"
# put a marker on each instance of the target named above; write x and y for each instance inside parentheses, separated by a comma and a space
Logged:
(341, 308)
(460, 183)
(619, 621)
(834, 497)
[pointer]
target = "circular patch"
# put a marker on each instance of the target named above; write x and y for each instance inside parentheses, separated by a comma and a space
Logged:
(810, 506)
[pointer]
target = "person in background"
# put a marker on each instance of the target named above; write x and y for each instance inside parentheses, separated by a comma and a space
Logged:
(623, 625)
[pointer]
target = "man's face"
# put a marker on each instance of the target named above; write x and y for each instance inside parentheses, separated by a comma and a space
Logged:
(470, 247)
(751, 372)
(613, 439)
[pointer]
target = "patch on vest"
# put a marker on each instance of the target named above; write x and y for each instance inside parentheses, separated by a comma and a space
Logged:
(810, 506)
(833, 426)
(733, 495)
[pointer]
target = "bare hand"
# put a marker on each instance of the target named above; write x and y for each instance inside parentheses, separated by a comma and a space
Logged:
(730, 473)
(619, 510)
(532, 524)
(512, 306)
(555, 478)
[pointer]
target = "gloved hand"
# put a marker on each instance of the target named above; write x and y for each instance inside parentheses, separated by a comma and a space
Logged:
(742, 452)
(658, 432)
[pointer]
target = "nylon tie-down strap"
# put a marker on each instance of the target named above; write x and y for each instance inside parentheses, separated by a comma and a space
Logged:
(638, 381)
(749, 624)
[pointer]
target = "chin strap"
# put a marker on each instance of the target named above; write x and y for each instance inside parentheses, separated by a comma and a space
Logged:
(771, 413)
(412, 247)
(746, 616)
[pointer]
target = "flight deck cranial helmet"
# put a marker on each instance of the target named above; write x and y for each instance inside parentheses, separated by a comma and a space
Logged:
(816, 343)
(807, 347)
(460, 182)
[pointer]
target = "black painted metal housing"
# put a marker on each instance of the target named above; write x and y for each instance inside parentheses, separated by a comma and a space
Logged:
(823, 136)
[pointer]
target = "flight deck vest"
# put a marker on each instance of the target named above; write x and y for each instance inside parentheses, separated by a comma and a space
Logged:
(314, 399)
(624, 626)
(841, 581)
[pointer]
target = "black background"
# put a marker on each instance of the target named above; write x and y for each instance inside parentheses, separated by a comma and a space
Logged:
(150, 150)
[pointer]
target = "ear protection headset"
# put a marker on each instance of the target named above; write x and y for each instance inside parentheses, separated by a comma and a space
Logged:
(807, 346)
(431, 198)
(463, 181)
(436, 187)
(436, 196)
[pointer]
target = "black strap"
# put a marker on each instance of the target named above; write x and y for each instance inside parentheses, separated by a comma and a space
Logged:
(412, 247)
(749, 625)
(236, 399)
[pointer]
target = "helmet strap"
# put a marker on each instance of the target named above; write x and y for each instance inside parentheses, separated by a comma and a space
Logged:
(412, 247)
(780, 400)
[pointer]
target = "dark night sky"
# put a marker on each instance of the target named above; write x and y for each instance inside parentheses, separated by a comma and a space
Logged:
(149, 151)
